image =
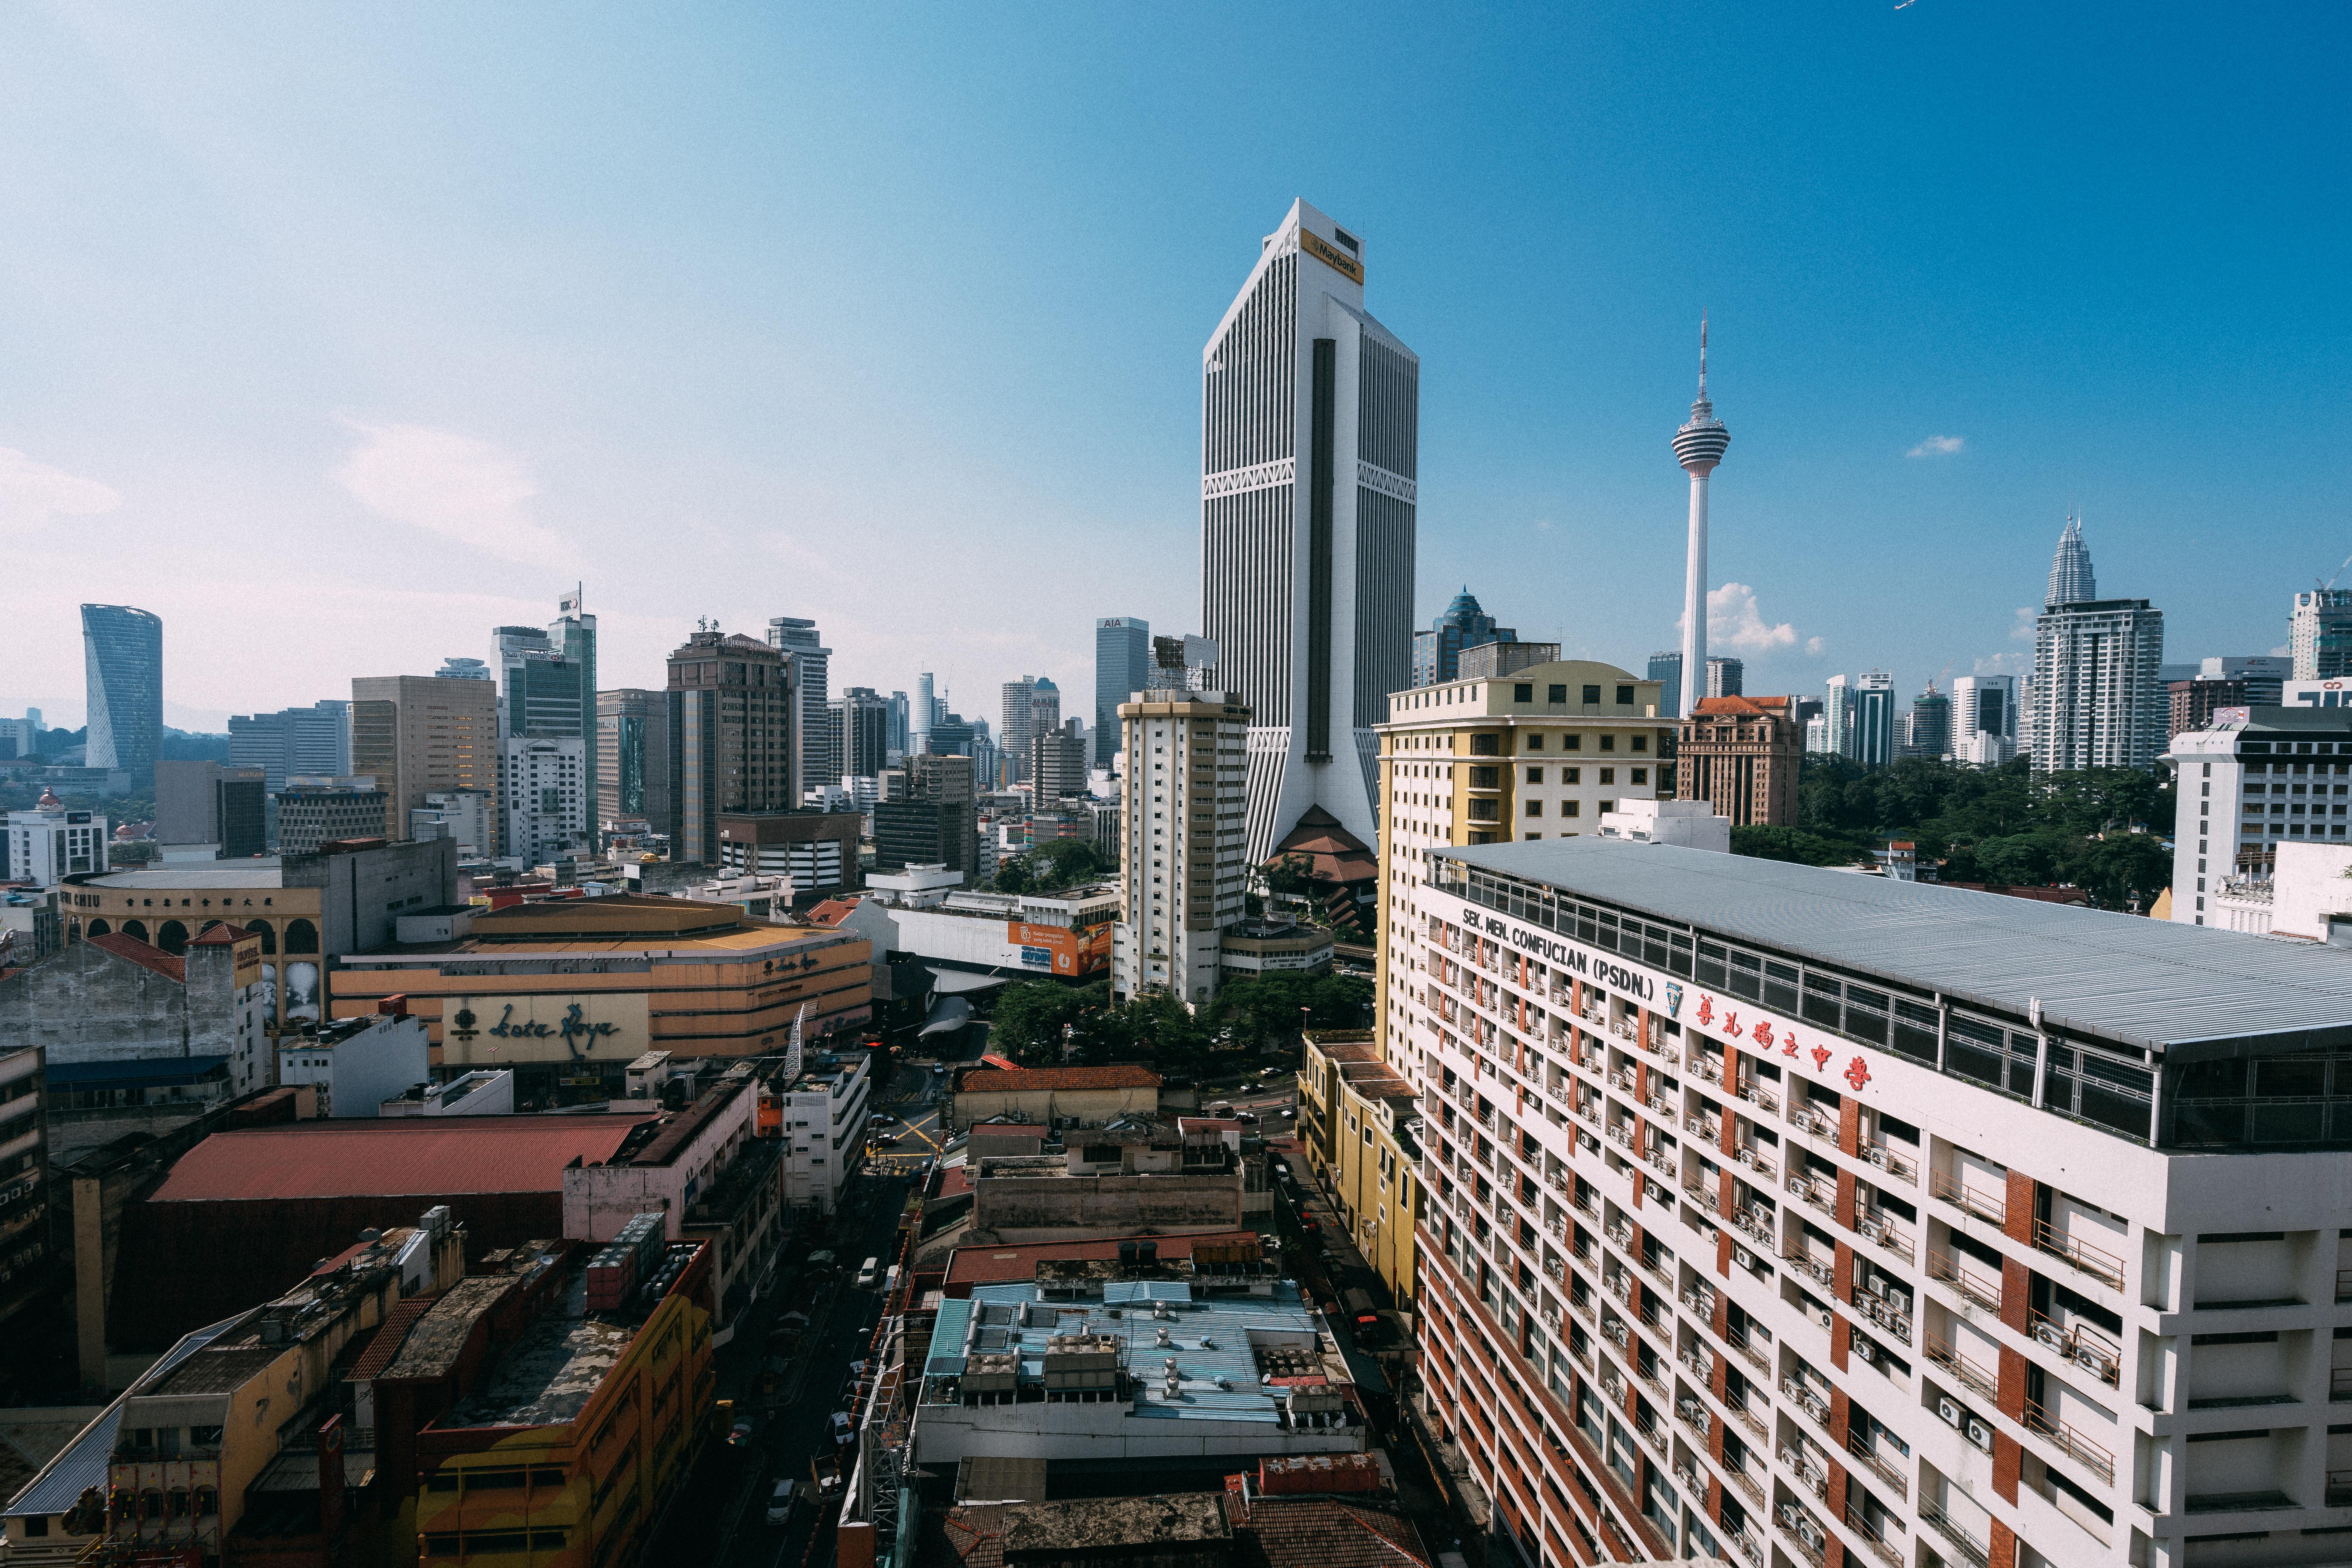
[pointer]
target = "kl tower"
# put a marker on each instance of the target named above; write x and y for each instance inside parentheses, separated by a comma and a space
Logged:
(1699, 447)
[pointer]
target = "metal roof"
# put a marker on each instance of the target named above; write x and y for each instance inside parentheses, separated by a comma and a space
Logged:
(2127, 978)
(134, 1073)
(395, 1156)
(82, 1463)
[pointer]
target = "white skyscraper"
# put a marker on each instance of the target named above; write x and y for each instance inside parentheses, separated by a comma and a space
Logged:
(1984, 718)
(1309, 417)
(2319, 633)
(1699, 446)
(821, 747)
(2098, 699)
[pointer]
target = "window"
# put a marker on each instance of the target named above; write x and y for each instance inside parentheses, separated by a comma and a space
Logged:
(1556, 693)
(1571, 776)
(1608, 742)
(1534, 775)
(1592, 694)
(1523, 691)
(1641, 743)
(1535, 808)
(1640, 775)
(1609, 775)
(1570, 808)
(1535, 742)
(1624, 697)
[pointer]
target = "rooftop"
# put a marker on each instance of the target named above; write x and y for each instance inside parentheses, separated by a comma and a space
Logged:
(1237, 1353)
(2146, 983)
(261, 872)
(171, 966)
(435, 1336)
(548, 1376)
(85, 1462)
(1030, 1080)
(394, 1157)
(973, 1266)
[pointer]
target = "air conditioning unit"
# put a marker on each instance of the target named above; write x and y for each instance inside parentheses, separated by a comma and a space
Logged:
(1899, 1299)
(1878, 1286)
(2052, 1336)
(1809, 1532)
(1742, 1257)
(1823, 1317)
(1877, 1156)
(1866, 1350)
(1950, 1410)
(1979, 1434)
(2094, 1362)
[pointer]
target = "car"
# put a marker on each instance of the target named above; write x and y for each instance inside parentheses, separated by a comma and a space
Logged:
(780, 1500)
(741, 1435)
(1289, 1112)
(1247, 1118)
(842, 1429)
(868, 1272)
(880, 1118)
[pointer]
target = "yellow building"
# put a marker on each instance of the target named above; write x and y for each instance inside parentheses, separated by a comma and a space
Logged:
(1356, 1124)
(569, 992)
(1539, 752)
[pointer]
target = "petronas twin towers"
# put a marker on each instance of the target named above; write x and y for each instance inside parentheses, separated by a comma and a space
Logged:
(1309, 439)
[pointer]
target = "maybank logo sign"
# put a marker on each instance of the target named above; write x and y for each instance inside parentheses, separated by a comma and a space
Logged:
(1332, 256)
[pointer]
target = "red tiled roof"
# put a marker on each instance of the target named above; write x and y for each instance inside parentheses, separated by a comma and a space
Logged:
(970, 1266)
(223, 935)
(955, 1181)
(1318, 1533)
(831, 912)
(389, 1337)
(1743, 707)
(1330, 849)
(1349, 1050)
(168, 966)
(394, 1157)
(1062, 1079)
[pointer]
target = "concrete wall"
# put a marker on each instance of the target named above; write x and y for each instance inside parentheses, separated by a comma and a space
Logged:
(1041, 1208)
(366, 1070)
(598, 1200)
(360, 895)
(1092, 1106)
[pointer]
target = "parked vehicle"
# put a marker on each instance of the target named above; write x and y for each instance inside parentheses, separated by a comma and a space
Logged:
(780, 1501)
(868, 1272)
(842, 1429)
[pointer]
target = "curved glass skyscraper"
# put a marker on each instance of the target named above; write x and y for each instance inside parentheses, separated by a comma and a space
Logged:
(123, 653)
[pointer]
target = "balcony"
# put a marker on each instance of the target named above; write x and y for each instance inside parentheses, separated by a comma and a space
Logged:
(2080, 1343)
(1764, 1099)
(1701, 1300)
(1877, 1464)
(1983, 1293)
(1704, 1127)
(1802, 1531)
(1815, 1193)
(1822, 1273)
(1807, 1468)
(1704, 1198)
(1750, 1551)
(2076, 1446)
(1884, 1156)
(1933, 1516)
(1879, 1545)
(2097, 1262)
(1746, 1154)
(1971, 1375)
(1888, 1235)
(1813, 1123)
(1816, 1405)
(1990, 1209)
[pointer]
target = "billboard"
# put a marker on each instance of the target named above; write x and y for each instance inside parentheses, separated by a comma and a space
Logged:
(1058, 951)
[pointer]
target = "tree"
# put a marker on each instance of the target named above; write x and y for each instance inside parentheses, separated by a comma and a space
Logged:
(1794, 844)
(1269, 1010)
(1027, 1020)
(1064, 862)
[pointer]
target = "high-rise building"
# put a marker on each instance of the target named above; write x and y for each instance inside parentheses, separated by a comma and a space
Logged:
(313, 740)
(415, 733)
(2194, 702)
(1122, 663)
(1984, 719)
(2273, 776)
(1666, 669)
(1309, 439)
(1019, 697)
(1794, 1248)
(901, 721)
(2319, 634)
(1437, 652)
(634, 759)
(2098, 701)
(1927, 731)
(322, 809)
(1741, 755)
(1838, 716)
(734, 721)
(540, 802)
(1873, 720)
(929, 814)
(547, 693)
(1044, 711)
(573, 633)
(1726, 677)
(202, 802)
(48, 843)
(1182, 873)
(861, 725)
(457, 669)
(2071, 579)
(1699, 446)
(821, 751)
(1057, 766)
(123, 659)
(2264, 676)
(921, 715)
(465, 815)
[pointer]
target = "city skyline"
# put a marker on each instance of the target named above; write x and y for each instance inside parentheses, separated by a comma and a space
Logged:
(1953, 369)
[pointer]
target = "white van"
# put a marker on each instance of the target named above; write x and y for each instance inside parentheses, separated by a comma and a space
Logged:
(867, 1272)
(781, 1500)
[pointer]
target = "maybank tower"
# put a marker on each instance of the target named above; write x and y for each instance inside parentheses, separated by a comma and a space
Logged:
(1309, 426)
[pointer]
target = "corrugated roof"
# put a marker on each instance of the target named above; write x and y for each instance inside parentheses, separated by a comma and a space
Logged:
(82, 1463)
(1057, 1079)
(137, 1072)
(976, 1266)
(394, 1157)
(170, 966)
(2142, 980)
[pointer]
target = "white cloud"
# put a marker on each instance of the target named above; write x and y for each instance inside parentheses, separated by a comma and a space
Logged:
(1937, 447)
(1815, 645)
(2005, 664)
(451, 485)
(32, 492)
(1733, 622)
(2020, 626)
(1543, 525)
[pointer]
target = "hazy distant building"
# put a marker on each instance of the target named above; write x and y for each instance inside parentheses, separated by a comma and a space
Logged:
(920, 712)
(1307, 524)
(1873, 720)
(313, 740)
(466, 815)
(1927, 728)
(899, 722)
(1724, 677)
(122, 659)
(861, 732)
(2263, 676)
(734, 716)
(1838, 716)
(1122, 663)
(414, 733)
(202, 802)
(633, 760)
(2319, 634)
(1017, 726)
(1057, 766)
(820, 752)
(324, 809)
(2097, 701)
(1464, 625)
(1493, 660)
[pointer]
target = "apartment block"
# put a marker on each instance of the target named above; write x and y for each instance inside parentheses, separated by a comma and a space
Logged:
(1791, 1217)
(2260, 778)
(1359, 1127)
(1181, 871)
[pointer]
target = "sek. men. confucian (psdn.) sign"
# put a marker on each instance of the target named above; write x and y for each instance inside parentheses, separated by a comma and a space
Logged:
(501, 1031)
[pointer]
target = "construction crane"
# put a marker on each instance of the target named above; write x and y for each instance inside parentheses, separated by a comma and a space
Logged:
(2324, 587)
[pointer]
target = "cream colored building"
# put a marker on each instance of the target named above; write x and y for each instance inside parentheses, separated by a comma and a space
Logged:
(420, 734)
(1358, 1124)
(1183, 871)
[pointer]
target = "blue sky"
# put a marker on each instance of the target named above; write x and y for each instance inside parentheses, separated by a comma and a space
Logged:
(338, 336)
